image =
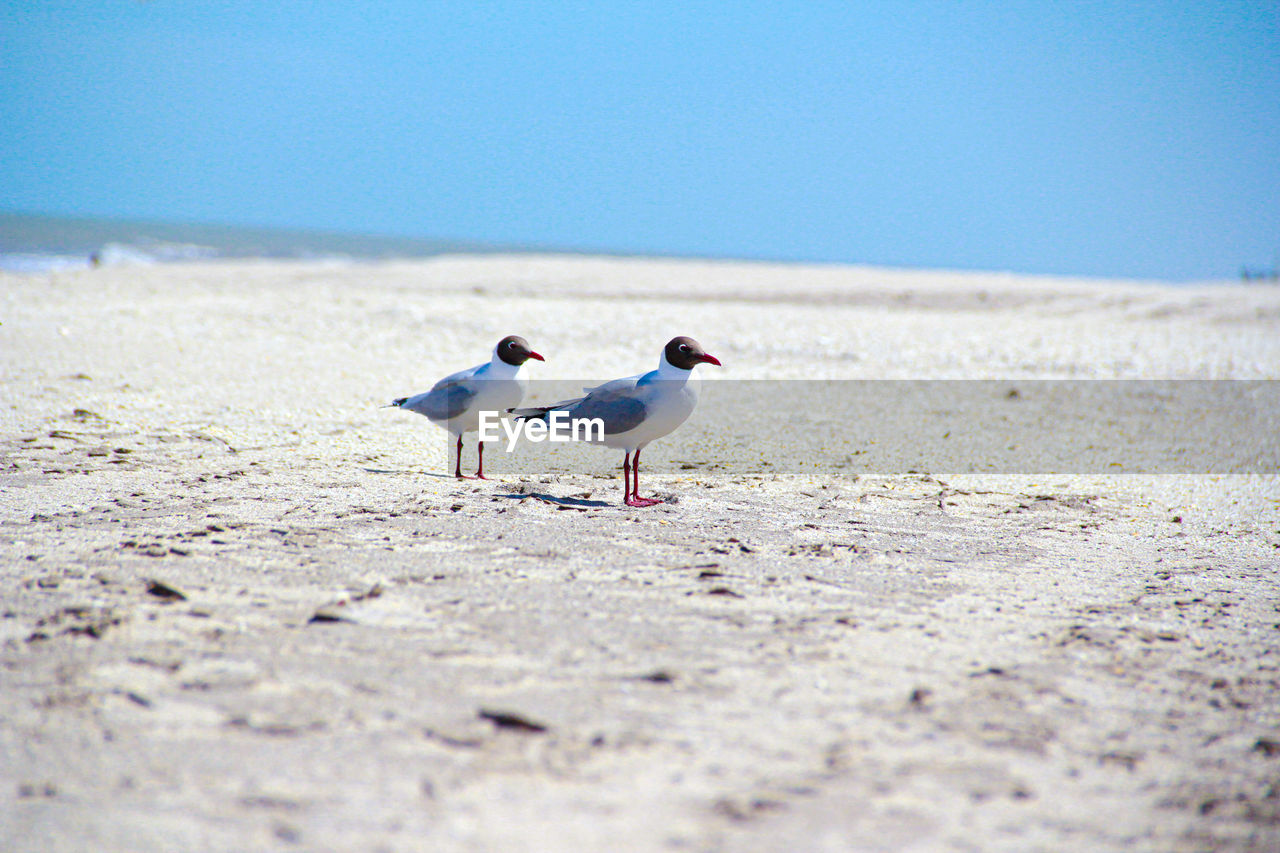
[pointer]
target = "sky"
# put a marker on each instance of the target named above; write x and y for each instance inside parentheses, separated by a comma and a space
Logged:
(1120, 139)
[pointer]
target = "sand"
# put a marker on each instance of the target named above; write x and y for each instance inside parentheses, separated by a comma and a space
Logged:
(243, 608)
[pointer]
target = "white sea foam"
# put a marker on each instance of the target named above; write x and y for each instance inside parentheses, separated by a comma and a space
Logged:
(35, 244)
(111, 254)
(36, 262)
(114, 254)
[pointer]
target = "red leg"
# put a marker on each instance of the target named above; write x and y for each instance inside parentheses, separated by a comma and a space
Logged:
(626, 479)
(457, 466)
(480, 466)
(635, 499)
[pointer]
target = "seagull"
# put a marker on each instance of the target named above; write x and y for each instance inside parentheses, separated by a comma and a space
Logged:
(456, 401)
(638, 409)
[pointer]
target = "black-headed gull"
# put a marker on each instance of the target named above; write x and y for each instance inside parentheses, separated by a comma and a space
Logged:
(638, 409)
(456, 401)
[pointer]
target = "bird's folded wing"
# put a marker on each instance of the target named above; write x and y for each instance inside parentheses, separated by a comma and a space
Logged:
(616, 404)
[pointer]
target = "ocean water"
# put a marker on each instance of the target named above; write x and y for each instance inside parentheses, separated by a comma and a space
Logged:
(35, 244)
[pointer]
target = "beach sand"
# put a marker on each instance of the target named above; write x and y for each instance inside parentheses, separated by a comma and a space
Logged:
(244, 608)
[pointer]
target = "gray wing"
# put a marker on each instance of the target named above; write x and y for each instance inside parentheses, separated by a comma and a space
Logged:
(446, 401)
(615, 403)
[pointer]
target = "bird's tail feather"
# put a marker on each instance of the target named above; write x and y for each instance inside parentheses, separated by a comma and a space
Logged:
(530, 413)
(539, 413)
(395, 404)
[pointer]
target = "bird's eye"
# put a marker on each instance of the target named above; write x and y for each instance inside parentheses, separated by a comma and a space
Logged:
(684, 348)
(511, 344)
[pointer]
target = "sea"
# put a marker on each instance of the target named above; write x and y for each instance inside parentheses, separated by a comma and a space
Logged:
(32, 243)
(36, 243)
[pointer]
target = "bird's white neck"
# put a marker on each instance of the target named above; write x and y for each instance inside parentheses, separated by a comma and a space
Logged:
(668, 372)
(499, 369)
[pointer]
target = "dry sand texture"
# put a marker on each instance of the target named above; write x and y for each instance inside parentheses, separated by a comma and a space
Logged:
(243, 609)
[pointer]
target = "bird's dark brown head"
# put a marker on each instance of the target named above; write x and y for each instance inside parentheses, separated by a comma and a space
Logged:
(514, 350)
(686, 353)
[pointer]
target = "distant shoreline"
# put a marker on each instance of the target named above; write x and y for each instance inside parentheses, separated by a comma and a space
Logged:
(35, 243)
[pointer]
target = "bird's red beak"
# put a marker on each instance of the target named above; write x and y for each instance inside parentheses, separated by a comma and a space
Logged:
(535, 355)
(710, 359)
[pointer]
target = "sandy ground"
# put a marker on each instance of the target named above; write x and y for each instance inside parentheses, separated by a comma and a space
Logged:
(243, 609)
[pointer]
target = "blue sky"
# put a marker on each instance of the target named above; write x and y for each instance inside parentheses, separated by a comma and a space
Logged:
(1110, 138)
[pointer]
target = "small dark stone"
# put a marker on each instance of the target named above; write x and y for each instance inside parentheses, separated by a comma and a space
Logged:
(507, 720)
(326, 617)
(138, 699)
(1268, 747)
(162, 590)
(658, 676)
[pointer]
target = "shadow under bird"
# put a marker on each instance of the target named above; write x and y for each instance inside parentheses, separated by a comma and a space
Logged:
(457, 401)
(638, 409)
